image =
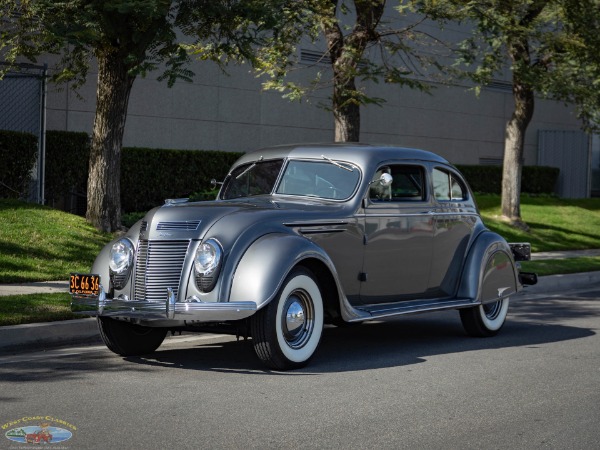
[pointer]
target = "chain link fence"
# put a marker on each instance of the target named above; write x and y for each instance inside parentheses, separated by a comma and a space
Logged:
(23, 108)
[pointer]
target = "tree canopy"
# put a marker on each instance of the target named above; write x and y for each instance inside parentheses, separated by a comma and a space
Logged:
(361, 46)
(129, 38)
(548, 48)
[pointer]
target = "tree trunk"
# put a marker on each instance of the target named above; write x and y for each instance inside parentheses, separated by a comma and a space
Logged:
(112, 97)
(345, 54)
(514, 141)
(346, 113)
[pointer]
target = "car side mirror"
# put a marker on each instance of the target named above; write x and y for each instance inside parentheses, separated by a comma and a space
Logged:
(214, 183)
(385, 180)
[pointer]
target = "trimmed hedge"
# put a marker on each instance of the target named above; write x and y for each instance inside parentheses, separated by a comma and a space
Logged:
(18, 153)
(67, 163)
(488, 179)
(149, 176)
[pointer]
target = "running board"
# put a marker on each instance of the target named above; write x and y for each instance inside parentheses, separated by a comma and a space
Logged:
(381, 311)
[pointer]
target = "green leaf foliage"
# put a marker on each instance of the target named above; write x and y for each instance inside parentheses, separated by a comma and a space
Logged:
(488, 179)
(358, 44)
(127, 39)
(149, 176)
(18, 153)
(67, 161)
(146, 34)
(551, 47)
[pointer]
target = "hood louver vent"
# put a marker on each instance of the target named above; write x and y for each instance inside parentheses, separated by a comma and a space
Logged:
(191, 225)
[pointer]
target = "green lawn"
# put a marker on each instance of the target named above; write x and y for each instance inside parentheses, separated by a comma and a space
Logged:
(555, 224)
(32, 308)
(38, 243)
(42, 244)
(562, 266)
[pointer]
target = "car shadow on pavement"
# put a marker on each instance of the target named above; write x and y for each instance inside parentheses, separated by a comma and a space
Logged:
(372, 345)
(394, 342)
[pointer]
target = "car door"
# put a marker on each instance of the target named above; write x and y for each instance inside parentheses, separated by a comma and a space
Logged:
(455, 220)
(398, 236)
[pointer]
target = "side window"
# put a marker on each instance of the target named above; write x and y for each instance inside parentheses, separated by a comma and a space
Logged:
(407, 184)
(446, 186)
(441, 185)
(459, 192)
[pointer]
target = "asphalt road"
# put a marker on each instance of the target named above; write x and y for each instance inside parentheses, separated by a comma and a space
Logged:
(416, 382)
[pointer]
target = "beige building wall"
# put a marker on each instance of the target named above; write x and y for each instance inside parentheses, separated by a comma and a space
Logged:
(230, 112)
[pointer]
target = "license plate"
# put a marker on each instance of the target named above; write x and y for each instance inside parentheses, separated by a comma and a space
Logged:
(84, 284)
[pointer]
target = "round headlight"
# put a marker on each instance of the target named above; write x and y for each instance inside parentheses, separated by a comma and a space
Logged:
(121, 256)
(208, 258)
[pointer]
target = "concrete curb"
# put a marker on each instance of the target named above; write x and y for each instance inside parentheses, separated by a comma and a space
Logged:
(38, 336)
(553, 283)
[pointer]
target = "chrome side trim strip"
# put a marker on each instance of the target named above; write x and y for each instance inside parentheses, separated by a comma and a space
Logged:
(419, 214)
(383, 311)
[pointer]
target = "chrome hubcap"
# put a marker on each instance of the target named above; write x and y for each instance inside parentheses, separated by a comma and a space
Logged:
(297, 321)
(492, 310)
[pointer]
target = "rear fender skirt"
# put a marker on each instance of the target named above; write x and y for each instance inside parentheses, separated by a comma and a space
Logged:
(490, 273)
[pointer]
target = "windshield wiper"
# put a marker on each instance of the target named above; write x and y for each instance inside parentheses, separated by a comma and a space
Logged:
(250, 167)
(335, 163)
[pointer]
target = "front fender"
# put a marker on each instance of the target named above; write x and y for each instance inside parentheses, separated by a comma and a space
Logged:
(266, 263)
(490, 272)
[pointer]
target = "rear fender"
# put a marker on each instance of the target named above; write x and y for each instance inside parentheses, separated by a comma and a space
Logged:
(266, 263)
(490, 272)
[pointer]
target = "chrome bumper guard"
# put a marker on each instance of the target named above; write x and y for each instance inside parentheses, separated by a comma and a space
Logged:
(170, 309)
(522, 252)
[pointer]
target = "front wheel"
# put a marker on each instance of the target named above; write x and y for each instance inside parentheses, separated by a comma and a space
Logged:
(484, 320)
(128, 339)
(287, 331)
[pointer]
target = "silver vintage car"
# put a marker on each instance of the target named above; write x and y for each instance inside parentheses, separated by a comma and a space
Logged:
(302, 236)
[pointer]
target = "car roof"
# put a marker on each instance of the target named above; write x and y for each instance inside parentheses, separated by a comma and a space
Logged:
(362, 154)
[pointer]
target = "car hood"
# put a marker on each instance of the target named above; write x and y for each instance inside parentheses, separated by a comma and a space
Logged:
(193, 220)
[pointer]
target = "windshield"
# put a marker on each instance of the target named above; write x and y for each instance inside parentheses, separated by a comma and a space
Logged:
(247, 180)
(319, 179)
(325, 179)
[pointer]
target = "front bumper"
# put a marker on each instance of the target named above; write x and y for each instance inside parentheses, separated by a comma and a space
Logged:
(170, 309)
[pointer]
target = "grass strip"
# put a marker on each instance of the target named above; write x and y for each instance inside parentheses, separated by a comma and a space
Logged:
(33, 308)
(555, 224)
(562, 266)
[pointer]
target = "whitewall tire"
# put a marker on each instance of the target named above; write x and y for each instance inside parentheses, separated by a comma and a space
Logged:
(485, 320)
(287, 332)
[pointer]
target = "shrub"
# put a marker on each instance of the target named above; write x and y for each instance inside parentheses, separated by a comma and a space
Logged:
(539, 179)
(149, 176)
(488, 179)
(18, 153)
(67, 162)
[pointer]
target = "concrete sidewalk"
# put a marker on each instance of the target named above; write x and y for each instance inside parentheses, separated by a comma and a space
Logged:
(565, 254)
(40, 287)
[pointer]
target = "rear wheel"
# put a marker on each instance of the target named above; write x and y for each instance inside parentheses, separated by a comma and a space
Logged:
(287, 331)
(128, 339)
(485, 320)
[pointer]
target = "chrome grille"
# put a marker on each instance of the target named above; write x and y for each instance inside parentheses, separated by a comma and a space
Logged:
(158, 267)
(191, 225)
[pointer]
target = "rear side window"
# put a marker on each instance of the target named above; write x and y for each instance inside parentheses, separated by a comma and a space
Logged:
(408, 184)
(448, 187)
